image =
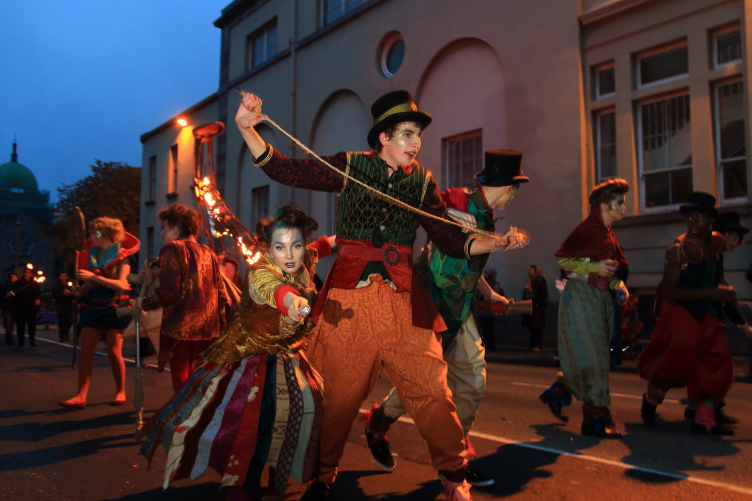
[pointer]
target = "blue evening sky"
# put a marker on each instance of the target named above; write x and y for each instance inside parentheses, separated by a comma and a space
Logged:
(82, 79)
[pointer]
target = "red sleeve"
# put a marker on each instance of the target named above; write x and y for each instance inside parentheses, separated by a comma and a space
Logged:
(455, 198)
(448, 238)
(305, 173)
(279, 295)
(170, 288)
(322, 247)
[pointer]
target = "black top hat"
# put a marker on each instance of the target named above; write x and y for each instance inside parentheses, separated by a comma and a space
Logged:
(729, 221)
(698, 200)
(393, 108)
(502, 169)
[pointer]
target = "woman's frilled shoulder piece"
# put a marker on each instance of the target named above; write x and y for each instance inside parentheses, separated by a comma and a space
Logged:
(263, 279)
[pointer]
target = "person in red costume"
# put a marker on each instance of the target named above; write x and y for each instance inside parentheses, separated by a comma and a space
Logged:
(191, 291)
(103, 265)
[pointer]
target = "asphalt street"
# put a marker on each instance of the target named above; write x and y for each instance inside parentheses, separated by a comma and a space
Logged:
(47, 452)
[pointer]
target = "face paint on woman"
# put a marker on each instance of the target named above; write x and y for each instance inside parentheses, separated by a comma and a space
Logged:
(288, 249)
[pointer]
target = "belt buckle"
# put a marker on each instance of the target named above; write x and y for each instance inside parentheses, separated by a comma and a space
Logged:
(391, 255)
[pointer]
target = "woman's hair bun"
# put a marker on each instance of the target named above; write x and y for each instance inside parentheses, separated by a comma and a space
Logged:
(291, 216)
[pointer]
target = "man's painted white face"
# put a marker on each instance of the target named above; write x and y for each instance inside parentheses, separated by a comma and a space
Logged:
(402, 148)
(288, 249)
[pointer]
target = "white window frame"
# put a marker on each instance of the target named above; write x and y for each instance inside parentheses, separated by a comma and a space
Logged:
(653, 52)
(152, 186)
(724, 31)
(388, 44)
(250, 45)
(640, 160)
(597, 142)
(596, 81)
(344, 10)
(717, 136)
(445, 148)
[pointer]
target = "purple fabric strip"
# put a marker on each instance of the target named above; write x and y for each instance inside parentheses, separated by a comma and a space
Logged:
(228, 431)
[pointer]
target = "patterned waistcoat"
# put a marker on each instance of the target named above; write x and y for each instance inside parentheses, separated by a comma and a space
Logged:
(452, 281)
(363, 216)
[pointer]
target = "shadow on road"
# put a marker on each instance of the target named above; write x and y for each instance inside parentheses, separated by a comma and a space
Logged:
(51, 455)
(348, 487)
(204, 492)
(34, 431)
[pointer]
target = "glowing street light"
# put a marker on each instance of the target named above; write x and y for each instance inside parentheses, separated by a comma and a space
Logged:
(182, 121)
(30, 266)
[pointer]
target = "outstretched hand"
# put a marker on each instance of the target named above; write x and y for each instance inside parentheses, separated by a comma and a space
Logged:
(248, 114)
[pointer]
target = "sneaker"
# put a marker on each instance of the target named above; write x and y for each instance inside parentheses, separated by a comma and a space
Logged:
(317, 491)
(555, 404)
(381, 452)
(476, 478)
(647, 412)
(595, 430)
(456, 492)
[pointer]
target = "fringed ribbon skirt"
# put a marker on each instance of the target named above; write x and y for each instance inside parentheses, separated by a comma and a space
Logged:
(265, 409)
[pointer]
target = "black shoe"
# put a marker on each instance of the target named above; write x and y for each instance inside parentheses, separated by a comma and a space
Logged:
(715, 430)
(554, 404)
(689, 414)
(317, 491)
(647, 412)
(476, 478)
(722, 418)
(591, 430)
(381, 452)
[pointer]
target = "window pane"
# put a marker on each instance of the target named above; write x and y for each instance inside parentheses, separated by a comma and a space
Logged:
(606, 81)
(258, 50)
(395, 56)
(657, 189)
(663, 65)
(732, 139)
(734, 179)
(729, 47)
(464, 159)
(271, 42)
(333, 10)
(666, 138)
(681, 185)
(606, 137)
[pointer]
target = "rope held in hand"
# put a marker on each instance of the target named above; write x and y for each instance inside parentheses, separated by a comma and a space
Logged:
(394, 201)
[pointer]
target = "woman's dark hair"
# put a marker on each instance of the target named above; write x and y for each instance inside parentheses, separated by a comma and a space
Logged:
(290, 216)
(181, 217)
(261, 226)
(607, 191)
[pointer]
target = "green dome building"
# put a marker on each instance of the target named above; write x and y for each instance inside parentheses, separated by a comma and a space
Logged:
(24, 213)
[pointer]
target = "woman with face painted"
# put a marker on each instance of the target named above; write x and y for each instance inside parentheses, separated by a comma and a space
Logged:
(688, 346)
(103, 266)
(592, 255)
(255, 400)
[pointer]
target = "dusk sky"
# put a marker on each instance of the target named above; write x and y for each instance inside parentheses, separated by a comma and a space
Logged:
(81, 80)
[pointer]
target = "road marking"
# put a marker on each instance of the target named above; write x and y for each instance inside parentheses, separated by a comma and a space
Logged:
(622, 395)
(595, 459)
(152, 366)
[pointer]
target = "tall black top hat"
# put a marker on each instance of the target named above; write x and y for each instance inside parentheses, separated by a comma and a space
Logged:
(729, 221)
(701, 201)
(502, 168)
(393, 108)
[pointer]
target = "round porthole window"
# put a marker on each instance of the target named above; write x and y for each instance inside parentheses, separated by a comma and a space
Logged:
(392, 54)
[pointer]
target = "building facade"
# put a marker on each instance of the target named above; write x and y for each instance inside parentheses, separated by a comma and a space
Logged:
(654, 91)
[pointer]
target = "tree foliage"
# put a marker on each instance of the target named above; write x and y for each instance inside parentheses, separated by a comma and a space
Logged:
(112, 190)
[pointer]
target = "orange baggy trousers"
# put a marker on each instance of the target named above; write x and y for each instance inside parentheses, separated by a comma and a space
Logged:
(359, 331)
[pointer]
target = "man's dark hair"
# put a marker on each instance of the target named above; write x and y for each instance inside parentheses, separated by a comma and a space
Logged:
(607, 191)
(181, 217)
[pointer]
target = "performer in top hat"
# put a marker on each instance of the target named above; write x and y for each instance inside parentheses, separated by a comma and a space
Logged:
(688, 346)
(452, 283)
(586, 315)
(372, 313)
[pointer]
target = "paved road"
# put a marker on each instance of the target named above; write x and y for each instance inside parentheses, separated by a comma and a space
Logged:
(47, 452)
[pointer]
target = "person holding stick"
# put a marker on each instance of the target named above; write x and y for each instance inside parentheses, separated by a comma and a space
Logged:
(103, 266)
(372, 312)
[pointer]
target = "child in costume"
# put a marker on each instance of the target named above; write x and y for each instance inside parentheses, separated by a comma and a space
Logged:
(255, 399)
(688, 346)
(103, 265)
(586, 314)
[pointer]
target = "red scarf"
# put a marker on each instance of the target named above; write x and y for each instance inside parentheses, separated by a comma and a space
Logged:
(591, 239)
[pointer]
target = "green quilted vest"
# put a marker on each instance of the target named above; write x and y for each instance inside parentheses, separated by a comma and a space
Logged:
(452, 281)
(363, 216)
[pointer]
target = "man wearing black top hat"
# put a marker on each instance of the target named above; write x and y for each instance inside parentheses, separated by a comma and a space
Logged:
(688, 346)
(452, 283)
(371, 313)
